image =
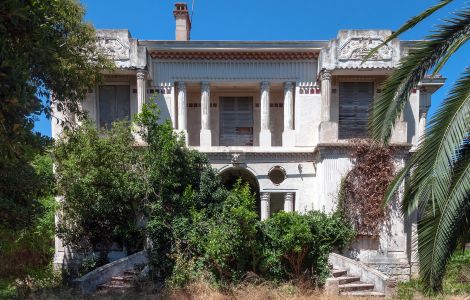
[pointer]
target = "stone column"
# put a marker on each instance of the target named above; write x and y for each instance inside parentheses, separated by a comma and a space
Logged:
(288, 202)
(265, 203)
(288, 137)
(325, 96)
(182, 109)
(424, 104)
(265, 133)
(328, 129)
(141, 89)
(205, 134)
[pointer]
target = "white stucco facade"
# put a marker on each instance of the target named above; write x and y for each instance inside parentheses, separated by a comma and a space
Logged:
(293, 92)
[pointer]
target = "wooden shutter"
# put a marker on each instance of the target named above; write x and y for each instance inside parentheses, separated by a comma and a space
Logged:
(355, 99)
(107, 104)
(123, 103)
(114, 104)
(236, 121)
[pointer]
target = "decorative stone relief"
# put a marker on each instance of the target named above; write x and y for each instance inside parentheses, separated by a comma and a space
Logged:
(114, 47)
(350, 47)
(357, 48)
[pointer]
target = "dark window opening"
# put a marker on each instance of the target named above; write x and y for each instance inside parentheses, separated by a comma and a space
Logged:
(114, 104)
(355, 99)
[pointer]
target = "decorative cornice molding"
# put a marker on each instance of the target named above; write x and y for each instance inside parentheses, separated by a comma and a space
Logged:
(258, 157)
(223, 55)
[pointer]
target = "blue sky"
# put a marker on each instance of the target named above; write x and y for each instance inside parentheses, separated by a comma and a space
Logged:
(270, 20)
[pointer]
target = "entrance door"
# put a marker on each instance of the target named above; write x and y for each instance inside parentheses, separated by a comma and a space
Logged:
(236, 121)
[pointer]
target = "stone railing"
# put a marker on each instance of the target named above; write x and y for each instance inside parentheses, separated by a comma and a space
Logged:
(382, 282)
(87, 284)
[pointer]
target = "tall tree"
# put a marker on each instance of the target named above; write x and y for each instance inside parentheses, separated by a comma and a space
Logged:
(44, 46)
(438, 174)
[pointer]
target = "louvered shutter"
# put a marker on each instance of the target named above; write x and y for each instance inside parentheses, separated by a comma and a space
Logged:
(114, 104)
(355, 99)
(107, 105)
(123, 103)
(236, 121)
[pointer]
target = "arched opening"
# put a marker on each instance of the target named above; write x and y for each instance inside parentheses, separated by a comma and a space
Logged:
(230, 176)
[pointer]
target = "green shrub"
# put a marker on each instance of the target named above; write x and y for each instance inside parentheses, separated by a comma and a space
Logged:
(456, 280)
(226, 240)
(27, 252)
(98, 177)
(296, 246)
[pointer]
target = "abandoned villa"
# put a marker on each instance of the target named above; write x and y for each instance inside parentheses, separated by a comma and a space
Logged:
(278, 114)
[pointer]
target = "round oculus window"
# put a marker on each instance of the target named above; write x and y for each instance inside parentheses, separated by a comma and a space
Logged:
(277, 175)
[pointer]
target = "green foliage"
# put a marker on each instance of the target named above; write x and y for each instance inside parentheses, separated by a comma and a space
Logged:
(456, 280)
(97, 175)
(296, 246)
(198, 228)
(176, 181)
(226, 238)
(438, 184)
(26, 252)
(44, 46)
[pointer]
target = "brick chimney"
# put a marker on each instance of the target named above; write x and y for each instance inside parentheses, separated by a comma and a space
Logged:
(183, 23)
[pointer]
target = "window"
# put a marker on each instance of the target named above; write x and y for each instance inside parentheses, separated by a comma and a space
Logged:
(236, 121)
(277, 175)
(114, 104)
(355, 99)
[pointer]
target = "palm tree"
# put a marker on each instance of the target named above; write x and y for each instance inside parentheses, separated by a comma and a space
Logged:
(438, 173)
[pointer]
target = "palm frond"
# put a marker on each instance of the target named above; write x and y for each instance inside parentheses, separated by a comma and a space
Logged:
(438, 232)
(450, 52)
(408, 25)
(398, 87)
(396, 183)
(434, 159)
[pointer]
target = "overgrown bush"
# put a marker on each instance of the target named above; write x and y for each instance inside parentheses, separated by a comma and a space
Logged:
(97, 176)
(296, 246)
(26, 252)
(456, 280)
(226, 239)
(177, 181)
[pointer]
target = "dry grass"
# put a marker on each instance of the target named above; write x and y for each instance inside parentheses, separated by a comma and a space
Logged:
(265, 291)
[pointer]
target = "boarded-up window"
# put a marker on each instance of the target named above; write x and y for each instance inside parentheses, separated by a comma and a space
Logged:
(114, 103)
(236, 121)
(355, 99)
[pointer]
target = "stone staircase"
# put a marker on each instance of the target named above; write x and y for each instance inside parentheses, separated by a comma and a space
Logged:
(351, 285)
(120, 284)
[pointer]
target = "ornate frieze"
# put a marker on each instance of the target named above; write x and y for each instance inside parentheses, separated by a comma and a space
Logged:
(357, 49)
(350, 48)
(114, 47)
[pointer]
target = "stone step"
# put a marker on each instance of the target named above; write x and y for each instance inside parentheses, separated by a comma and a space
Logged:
(338, 272)
(125, 278)
(363, 294)
(347, 279)
(356, 286)
(131, 272)
(116, 286)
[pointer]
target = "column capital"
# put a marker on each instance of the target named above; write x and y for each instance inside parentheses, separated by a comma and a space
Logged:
(288, 85)
(325, 74)
(141, 74)
(181, 85)
(265, 85)
(205, 86)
